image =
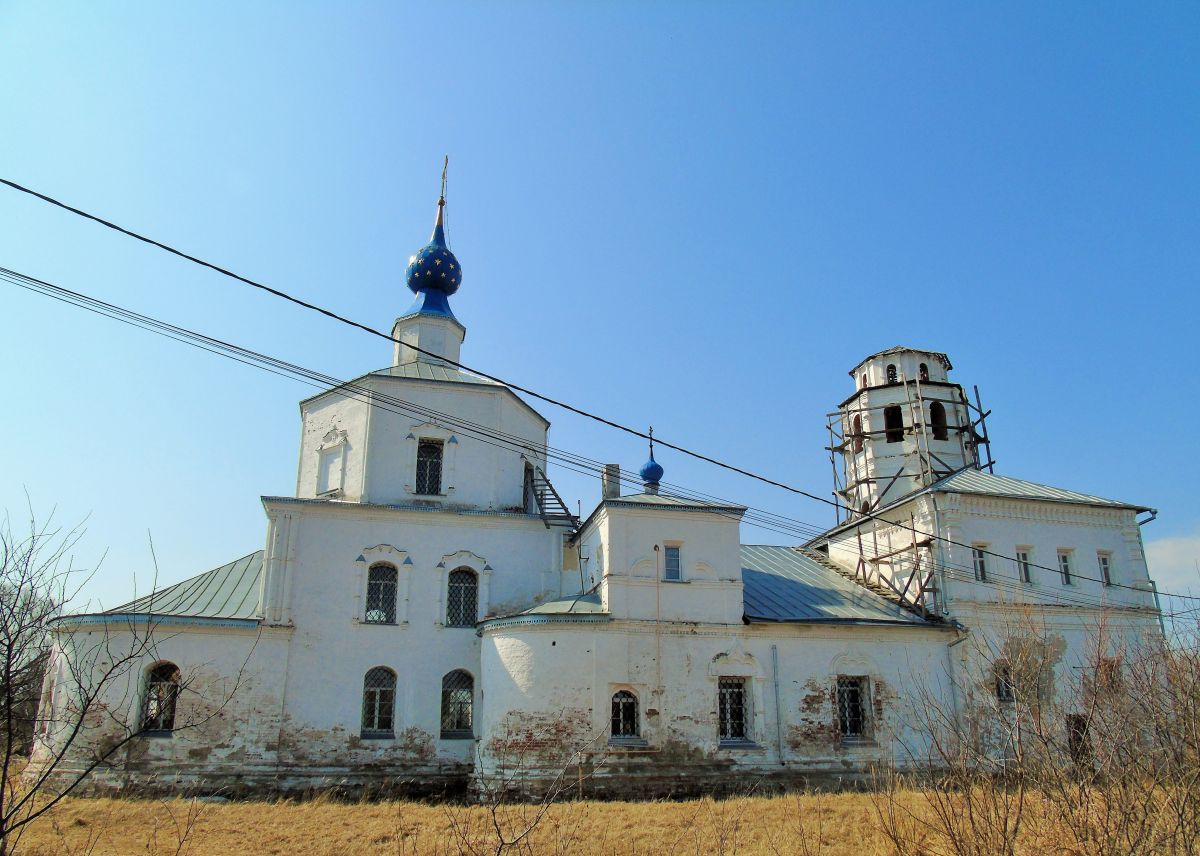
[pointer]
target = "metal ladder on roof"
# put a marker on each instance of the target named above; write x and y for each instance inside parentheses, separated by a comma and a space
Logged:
(551, 508)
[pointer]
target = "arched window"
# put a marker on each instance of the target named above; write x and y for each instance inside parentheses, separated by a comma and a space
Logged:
(857, 432)
(162, 691)
(462, 599)
(893, 423)
(923, 372)
(937, 419)
(625, 714)
(429, 467)
(892, 376)
(381, 595)
(379, 702)
(458, 699)
(863, 384)
(866, 509)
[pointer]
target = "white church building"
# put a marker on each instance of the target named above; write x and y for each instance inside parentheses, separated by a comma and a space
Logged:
(426, 612)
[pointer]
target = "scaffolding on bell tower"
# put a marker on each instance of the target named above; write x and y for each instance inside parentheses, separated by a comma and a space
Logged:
(939, 429)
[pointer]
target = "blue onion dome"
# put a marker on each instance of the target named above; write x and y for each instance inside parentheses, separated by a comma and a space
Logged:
(652, 471)
(434, 267)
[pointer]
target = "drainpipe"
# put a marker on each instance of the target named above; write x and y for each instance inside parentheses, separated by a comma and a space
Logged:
(778, 716)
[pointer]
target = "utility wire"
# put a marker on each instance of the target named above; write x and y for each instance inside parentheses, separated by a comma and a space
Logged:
(872, 515)
(372, 397)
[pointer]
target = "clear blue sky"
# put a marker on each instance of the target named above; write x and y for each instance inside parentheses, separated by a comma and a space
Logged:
(693, 215)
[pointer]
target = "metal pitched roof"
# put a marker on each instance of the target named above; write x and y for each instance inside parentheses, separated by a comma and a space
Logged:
(783, 584)
(899, 349)
(989, 484)
(580, 604)
(665, 501)
(419, 370)
(230, 591)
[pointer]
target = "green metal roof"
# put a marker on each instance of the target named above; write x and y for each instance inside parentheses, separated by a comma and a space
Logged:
(419, 370)
(230, 591)
(789, 585)
(659, 500)
(988, 484)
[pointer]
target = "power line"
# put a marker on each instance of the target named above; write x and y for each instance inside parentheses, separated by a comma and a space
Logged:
(491, 436)
(872, 515)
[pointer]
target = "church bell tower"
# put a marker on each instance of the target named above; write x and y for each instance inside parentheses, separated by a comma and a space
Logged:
(905, 427)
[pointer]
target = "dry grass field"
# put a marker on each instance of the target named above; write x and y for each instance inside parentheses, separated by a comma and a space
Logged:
(832, 825)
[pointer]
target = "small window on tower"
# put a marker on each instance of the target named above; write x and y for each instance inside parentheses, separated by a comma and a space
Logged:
(893, 423)
(937, 421)
(923, 372)
(856, 430)
(863, 383)
(429, 467)
(892, 375)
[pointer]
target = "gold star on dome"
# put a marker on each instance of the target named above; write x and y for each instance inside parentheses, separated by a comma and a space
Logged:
(443, 274)
(452, 267)
(438, 262)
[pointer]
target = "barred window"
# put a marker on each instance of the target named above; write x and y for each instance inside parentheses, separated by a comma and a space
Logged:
(162, 691)
(381, 595)
(429, 467)
(379, 702)
(852, 707)
(462, 599)
(1103, 560)
(1006, 692)
(892, 375)
(671, 567)
(731, 709)
(458, 695)
(625, 714)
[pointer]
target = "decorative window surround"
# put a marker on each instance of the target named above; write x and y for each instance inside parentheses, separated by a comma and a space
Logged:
(331, 464)
(382, 554)
(431, 431)
(483, 573)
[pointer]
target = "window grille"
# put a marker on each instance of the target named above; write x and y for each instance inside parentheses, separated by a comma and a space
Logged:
(893, 423)
(1023, 566)
(671, 568)
(625, 714)
(462, 599)
(979, 561)
(1005, 691)
(1105, 569)
(1064, 567)
(162, 692)
(892, 376)
(458, 693)
(381, 595)
(379, 702)
(937, 420)
(853, 723)
(731, 705)
(429, 467)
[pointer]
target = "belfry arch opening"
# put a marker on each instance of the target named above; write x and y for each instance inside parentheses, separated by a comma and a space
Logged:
(937, 421)
(893, 423)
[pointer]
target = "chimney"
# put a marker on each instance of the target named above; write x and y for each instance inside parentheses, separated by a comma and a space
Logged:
(610, 481)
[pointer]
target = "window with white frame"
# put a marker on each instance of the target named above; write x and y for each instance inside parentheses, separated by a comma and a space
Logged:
(672, 570)
(1064, 566)
(1104, 561)
(379, 703)
(853, 707)
(1024, 565)
(979, 562)
(381, 595)
(429, 467)
(733, 708)
(330, 469)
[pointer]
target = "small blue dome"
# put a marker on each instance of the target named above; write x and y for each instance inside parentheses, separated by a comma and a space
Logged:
(434, 267)
(652, 471)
